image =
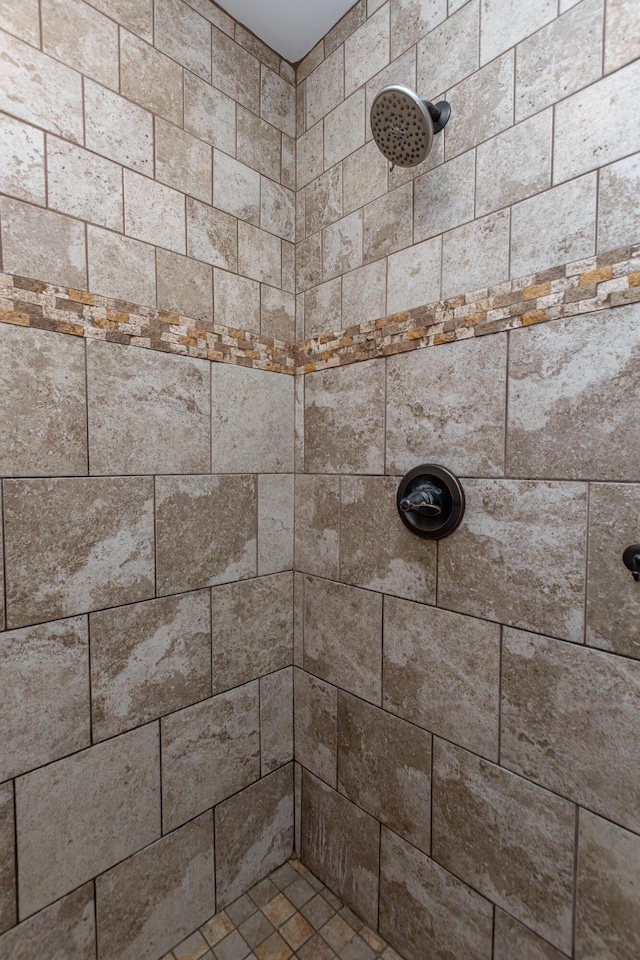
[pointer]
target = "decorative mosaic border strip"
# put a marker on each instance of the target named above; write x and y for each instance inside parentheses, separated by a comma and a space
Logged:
(30, 303)
(598, 283)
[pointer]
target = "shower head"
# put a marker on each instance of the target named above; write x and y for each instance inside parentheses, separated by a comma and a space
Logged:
(403, 125)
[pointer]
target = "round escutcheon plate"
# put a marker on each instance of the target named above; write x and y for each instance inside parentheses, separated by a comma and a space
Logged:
(431, 501)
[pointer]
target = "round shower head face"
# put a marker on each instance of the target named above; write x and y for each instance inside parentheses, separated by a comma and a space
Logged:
(402, 126)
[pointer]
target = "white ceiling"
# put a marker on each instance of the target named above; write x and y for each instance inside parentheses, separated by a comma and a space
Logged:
(291, 27)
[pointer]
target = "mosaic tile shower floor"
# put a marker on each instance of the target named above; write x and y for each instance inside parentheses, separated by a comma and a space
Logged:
(290, 915)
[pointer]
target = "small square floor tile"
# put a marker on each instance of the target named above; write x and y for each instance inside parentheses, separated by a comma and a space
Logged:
(241, 909)
(315, 883)
(299, 892)
(331, 899)
(279, 910)
(193, 948)
(256, 929)
(390, 954)
(297, 931)
(233, 947)
(372, 938)
(283, 876)
(317, 911)
(337, 932)
(351, 919)
(263, 892)
(316, 949)
(357, 949)
(273, 949)
(298, 867)
(217, 929)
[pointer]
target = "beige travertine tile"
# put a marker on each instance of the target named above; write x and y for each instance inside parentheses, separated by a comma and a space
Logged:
(278, 314)
(149, 659)
(621, 33)
(2, 585)
(288, 266)
(442, 671)
(512, 939)
(212, 235)
(64, 931)
(206, 531)
(388, 223)
(527, 539)
(278, 212)
(364, 176)
(476, 254)
(344, 420)
(85, 813)
(42, 399)
(236, 301)
(619, 185)
(275, 522)
(278, 102)
(154, 213)
(556, 428)
(323, 308)
(437, 413)
(317, 525)
(413, 276)
(312, 60)
(309, 262)
(608, 898)
(171, 884)
(515, 165)
(118, 129)
(367, 50)
(121, 268)
(508, 838)
(209, 751)
(309, 155)
(613, 603)
(402, 70)
(208, 113)
(316, 726)
(22, 166)
(276, 720)
(410, 21)
(41, 244)
(444, 197)
(38, 89)
(484, 105)
(345, 27)
(325, 87)
(576, 40)
(84, 185)
(23, 20)
(153, 80)
(298, 442)
(236, 72)
(93, 550)
(344, 128)
(236, 188)
(364, 294)
(259, 255)
(258, 48)
(148, 411)
(185, 286)
(45, 694)
(450, 52)
(8, 913)
(184, 35)
(183, 161)
(356, 667)
(262, 403)
(259, 144)
(505, 24)
(77, 34)
(384, 765)
(342, 245)
(254, 834)
(585, 749)
(252, 629)
(422, 903)
(402, 564)
(341, 845)
(135, 15)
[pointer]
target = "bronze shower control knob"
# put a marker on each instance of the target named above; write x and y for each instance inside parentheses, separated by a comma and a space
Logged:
(431, 501)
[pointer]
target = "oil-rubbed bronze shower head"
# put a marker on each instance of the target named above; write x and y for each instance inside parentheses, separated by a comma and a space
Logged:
(403, 125)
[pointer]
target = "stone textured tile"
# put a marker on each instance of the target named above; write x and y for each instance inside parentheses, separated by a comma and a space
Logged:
(402, 564)
(388, 223)
(236, 188)
(413, 276)
(342, 245)
(608, 899)
(208, 113)
(364, 175)
(422, 903)
(344, 420)
(259, 144)
(183, 161)
(410, 21)
(476, 254)
(515, 165)
(345, 27)
(152, 80)
(512, 939)
(276, 720)
(309, 155)
(484, 105)
(235, 71)
(118, 129)
(437, 413)
(613, 605)
(236, 301)
(121, 268)
(148, 411)
(576, 39)
(193, 948)
(557, 428)
(278, 101)
(183, 35)
(185, 286)
(149, 659)
(506, 837)
(252, 629)
(587, 751)
(38, 89)
(444, 197)
(8, 914)
(364, 294)
(341, 845)
(206, 531)
(42, 391)
(317, 525)
(359, 612)
(2, 584)
(323, 309)
(288, 266)
(64, 931)
(325, 87)
(367, 50)
(22, 166)
(528, 542)
(504, 25)
(22, 20)
(86, 813)
(41, 244)
(278, 314)
(155, 898)
(154, 213)
(309, 262)
(76, 545)
(449, 53)
(210, 751)
(298, 417)
(255, 399)
(44, 688)
(344, 128)
(259, 255)
(84, 185)
(212, 235)
(275, 522)
(278, 210)
(442, 671)
(136, 16)
(619, 185)
(254, 833)
(384, 765)
(622, 34)
(580, 145)
(316, 730)
(84, 39)
(402, 70)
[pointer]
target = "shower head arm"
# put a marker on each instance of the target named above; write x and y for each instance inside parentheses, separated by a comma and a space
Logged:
(439, 113)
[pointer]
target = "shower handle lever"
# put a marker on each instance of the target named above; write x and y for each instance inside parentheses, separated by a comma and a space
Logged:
(631, 558)
(425, 500)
